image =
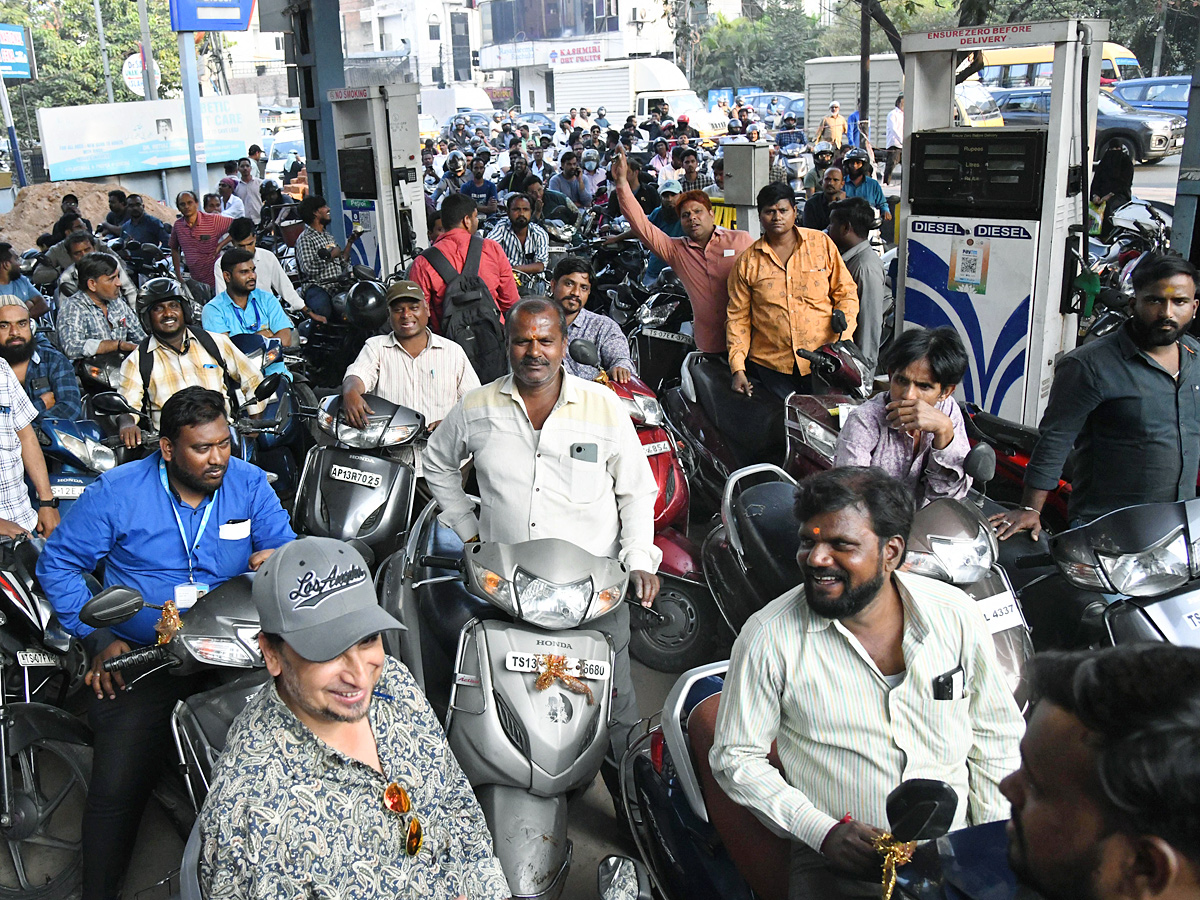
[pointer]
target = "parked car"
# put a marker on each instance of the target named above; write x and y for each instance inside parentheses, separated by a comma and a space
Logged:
(478, 119)
(538, 122)
(790, 101)
(1168, 94)
(277, 151)
(1150, 137)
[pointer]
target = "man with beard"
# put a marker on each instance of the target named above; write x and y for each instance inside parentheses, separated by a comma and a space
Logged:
(571, 287)
(569, 182)
(78, 245)
(666, 220)
(525, 243)
(244, 308)
(319, 256)
(40, 367)
(143, 227)
(177, 355)
(172, 526)
(1128, 403)
(556, 456)
(1104, 804)
(863, 676)
(303, 802)
(816, 208)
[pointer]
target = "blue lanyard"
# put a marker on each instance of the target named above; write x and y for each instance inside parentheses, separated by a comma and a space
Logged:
(162, 476)
(257, 316)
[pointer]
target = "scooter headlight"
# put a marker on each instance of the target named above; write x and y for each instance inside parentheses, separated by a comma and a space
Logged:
(818, 437)
(959, 561)
(644, 410)
(653, 316)
(550, 605)
(92, 454)
(1159, 568)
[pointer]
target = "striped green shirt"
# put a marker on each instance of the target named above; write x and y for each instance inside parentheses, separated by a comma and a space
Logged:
(846, 739)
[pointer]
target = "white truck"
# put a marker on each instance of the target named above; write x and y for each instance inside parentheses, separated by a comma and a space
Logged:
(441, 103)
(633, 86)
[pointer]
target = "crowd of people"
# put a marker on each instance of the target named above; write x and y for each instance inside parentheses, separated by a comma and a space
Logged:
(337, 779)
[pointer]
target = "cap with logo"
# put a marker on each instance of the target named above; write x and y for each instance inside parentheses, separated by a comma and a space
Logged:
(404, 290)
(317, 594)
(671, 187)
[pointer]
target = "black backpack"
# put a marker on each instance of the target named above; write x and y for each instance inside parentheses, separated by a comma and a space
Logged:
(470, 317)
(146, 368)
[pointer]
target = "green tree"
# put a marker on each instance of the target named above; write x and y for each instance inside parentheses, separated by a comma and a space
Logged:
(65, 41)
(767, 50)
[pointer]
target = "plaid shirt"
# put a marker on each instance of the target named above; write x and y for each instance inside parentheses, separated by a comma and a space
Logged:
(535, 249)
(82, 325)
(702, 181)
(173, 371)
(610, 341)
(50, 371)
(15, 413)
(312, 267)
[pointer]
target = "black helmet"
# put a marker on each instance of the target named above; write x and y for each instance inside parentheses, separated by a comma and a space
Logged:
(857, 154)
(270, 186)
(366, 306)
(156, 291)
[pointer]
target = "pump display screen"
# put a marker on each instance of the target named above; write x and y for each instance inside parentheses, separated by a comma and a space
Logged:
(980, 172)
(357, 170)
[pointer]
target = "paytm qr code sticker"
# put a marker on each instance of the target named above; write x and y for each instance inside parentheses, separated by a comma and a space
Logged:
(969, 264)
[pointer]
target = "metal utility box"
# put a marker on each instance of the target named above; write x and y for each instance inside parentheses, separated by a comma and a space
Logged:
(747, 169)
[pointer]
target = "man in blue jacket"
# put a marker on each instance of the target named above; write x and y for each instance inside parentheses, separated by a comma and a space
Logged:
(172, 526)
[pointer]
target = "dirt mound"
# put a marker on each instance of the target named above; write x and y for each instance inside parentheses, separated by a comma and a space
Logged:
(38, 208)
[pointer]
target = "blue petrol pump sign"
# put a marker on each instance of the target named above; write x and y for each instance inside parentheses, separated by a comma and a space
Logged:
(211, 15)
(14, 56)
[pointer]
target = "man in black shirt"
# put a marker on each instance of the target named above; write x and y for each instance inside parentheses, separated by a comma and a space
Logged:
(1129, 403)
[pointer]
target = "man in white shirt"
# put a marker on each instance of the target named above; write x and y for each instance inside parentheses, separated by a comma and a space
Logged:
(231, 204)
(270, 273)
(411, 367)
(895, 138)
(863, 676)
(556, 456)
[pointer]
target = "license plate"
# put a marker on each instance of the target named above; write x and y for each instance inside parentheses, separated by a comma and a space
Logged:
(669, 336)
(29, 658)
(656, 447)
(1000, 612)
(355, 476)
(67, 491)
(593, 669)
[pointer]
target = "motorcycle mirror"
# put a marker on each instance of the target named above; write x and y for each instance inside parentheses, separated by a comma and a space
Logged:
(838, 320)
(267, 387)
(363, 273)
(921, 809)
(110, 403)
(622, 878)
(112, 606)
(133, 246)
(584, 352)
(980, 463)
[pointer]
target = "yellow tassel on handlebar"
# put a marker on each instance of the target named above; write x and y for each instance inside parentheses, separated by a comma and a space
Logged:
(169, 623)
(895, 854)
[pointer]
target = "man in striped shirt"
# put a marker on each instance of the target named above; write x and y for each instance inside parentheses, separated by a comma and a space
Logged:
(864, 676)
(196, 234)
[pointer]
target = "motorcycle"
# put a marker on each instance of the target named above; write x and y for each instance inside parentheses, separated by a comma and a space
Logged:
(47, 751)
(682, 627)
(328, 347)
(76, 453)
(497, 640)
(364, 485)
(661, 338)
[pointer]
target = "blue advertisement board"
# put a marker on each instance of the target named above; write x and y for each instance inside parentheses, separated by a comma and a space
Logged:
(211, 15)
(14, 55)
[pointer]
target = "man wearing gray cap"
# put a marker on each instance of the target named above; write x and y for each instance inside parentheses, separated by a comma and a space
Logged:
(336, 779)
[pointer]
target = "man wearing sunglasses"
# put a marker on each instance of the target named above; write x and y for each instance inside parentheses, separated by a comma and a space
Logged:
(337, 780)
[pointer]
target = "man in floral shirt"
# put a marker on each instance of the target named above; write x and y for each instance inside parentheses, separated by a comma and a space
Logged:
(337, 780)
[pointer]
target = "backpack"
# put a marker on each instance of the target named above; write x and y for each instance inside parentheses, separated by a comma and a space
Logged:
(205, 340)
(470, 317)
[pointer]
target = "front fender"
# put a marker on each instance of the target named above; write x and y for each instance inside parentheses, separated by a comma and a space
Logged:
(33, 721)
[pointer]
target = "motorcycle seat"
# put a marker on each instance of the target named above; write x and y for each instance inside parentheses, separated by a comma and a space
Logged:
(1002, 433)
(770, 532)
(752, 427)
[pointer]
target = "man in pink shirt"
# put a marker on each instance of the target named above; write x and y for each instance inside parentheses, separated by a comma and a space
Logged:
(702, 258)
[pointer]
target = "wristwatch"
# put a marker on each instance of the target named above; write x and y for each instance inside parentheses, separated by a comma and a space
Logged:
(52, 503)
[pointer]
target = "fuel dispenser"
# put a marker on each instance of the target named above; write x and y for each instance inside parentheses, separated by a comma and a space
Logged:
(379, 163)
(995, 218)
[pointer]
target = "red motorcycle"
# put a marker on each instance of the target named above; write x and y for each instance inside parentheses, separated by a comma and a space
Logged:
(681, 630)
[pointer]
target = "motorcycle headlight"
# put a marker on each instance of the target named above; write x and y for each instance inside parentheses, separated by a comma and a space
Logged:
(644, 410)
(656, 315)
(91, 453)
(957, 560)
(817, 436)
(1159, 568)
(218, 650)
(550, 605)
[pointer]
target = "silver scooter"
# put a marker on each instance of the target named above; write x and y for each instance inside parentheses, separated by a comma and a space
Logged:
(497, 642)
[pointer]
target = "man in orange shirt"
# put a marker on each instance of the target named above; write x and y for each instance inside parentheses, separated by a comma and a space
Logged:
(702, 259)
(782, 294)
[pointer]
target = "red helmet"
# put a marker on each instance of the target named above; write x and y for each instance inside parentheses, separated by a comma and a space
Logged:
(683, 119)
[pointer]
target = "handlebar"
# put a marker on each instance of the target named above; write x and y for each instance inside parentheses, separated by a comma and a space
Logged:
(157, 653)
(443, 562)
(818, 360)
(1035, 561)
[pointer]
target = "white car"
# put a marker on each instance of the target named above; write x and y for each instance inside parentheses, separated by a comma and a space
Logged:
(277, 152)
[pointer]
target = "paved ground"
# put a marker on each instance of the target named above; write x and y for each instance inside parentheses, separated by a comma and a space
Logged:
(592, 826)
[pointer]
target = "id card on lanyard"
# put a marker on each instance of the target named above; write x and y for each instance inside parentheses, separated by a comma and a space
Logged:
(187, 594)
